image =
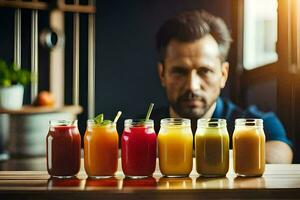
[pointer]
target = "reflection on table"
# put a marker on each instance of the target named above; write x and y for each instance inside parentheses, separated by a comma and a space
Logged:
(280, 181)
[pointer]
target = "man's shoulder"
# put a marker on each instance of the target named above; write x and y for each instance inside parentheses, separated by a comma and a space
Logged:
(273, 127)
(227, 109)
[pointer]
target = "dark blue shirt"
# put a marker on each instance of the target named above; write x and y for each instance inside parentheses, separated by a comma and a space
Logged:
(225, 109)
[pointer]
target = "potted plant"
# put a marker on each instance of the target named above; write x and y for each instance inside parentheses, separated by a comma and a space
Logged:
(12, 82)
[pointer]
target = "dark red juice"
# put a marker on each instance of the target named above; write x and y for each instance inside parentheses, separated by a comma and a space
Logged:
(143, 182)
(63, 150)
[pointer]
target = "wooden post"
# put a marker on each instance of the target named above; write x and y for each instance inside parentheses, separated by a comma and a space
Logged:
(76, 54)
(17, 37)
(34, 54)
(91, 64)
(57, 59)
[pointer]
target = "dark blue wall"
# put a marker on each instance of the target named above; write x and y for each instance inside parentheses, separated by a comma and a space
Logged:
(126, 75)
(126, 57)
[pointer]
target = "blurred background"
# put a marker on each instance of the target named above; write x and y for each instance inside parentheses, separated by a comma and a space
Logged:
(264, 56)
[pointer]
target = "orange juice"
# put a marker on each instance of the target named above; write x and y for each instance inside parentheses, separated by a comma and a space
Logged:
(175, 146)
(249, 147)
(212, 147)
(100, 149)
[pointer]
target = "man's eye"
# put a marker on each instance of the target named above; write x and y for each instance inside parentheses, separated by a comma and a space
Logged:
(179, 71)
(204, 71)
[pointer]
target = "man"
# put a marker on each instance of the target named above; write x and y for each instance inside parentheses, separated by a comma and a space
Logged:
(193, 47)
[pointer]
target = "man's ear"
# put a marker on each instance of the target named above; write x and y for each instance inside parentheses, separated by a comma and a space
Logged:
(161, 71)
(224, 71)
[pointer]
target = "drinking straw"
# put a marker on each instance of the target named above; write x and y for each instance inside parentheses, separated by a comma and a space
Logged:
(117, 116)
(149, 111)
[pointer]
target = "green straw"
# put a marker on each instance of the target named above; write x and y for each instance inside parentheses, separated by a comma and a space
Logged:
(149, 111)
(117, 116)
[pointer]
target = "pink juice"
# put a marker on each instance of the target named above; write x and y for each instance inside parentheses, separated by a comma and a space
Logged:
(138, 150)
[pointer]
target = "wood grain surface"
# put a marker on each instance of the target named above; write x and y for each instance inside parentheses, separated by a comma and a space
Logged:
(278, 182)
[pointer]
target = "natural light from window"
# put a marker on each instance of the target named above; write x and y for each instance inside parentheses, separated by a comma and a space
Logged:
(260, 33)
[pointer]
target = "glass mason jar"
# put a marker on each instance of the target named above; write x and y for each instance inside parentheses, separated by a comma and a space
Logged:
(63, 144)
(249, 147)
(138, 148)
(101, 143)
(175, 147)
(212, 147)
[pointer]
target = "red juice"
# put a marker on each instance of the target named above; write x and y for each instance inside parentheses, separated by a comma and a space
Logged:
(63, 149)
(138, 149)
(143, 182)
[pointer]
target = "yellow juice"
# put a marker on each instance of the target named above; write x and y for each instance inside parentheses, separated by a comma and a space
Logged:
(175, 146)
(249, 148)
(212, 150)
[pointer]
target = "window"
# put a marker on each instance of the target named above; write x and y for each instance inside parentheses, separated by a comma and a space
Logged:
(260, 33)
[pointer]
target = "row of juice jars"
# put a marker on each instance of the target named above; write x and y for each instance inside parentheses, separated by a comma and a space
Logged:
(139, 148)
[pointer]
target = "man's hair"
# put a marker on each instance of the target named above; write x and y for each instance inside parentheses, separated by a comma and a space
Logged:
(190, 26)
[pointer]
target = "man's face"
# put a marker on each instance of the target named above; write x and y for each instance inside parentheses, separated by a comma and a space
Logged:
(193, 76)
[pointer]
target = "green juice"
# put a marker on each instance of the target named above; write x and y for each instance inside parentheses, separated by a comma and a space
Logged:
(212, 149)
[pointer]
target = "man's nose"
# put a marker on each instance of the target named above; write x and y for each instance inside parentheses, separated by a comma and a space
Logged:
(193, 81)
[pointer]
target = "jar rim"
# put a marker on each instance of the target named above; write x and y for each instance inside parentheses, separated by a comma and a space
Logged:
(175, 121)
(248, 122)
(138, 122)
(91, 122)
(211, 122)
(63, 122)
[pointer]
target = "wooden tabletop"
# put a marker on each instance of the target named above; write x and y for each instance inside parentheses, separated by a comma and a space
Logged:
(278, 181)
(26, 110)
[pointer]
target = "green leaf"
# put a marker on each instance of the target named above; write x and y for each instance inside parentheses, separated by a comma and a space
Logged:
(14, 67)
(5, 82)
(11, 75)
(2, 65)
(99, 119)
(106, 122)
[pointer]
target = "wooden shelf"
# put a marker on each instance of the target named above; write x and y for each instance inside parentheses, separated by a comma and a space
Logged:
(36, 5)
(43, 109)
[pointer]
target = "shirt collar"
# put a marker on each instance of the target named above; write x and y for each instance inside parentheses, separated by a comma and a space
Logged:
(219, 109)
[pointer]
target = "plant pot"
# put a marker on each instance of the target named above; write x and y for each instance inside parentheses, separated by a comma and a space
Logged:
(27, 132)
(11, 97)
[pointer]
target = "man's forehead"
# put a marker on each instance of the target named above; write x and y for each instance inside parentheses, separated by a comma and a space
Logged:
(203, 47)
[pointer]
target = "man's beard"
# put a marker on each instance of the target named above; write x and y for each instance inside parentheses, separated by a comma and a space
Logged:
(190, 112)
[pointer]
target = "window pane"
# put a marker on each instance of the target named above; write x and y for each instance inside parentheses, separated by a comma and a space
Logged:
(260, 33)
